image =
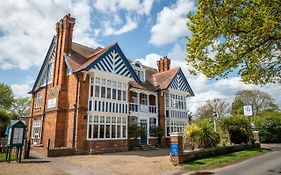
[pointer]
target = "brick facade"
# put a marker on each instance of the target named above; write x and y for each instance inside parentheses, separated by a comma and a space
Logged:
(70, 93)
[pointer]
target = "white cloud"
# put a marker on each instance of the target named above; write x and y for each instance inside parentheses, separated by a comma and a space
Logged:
(150, 60)
(29, 25)
(171, 23)
(113, 22)
(22, 89)
(130, 25)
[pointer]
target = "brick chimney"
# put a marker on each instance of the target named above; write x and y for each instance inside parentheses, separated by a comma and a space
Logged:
(64, 29)
(163, 64)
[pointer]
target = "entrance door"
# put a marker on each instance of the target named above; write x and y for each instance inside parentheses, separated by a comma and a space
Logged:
(36, 132)
(143, 124)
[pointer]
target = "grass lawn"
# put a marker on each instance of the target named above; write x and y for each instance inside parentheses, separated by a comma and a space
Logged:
(222, 160)
(3, 157)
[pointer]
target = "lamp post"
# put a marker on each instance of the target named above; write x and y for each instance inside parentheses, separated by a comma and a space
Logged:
(214, 119)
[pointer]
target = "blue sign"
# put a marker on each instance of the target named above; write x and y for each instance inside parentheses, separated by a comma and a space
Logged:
(174, 149)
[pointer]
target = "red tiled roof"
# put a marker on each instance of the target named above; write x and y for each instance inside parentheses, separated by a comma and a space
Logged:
(163, 79)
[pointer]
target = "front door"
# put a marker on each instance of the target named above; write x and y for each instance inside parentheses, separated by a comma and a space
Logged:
(143, 124)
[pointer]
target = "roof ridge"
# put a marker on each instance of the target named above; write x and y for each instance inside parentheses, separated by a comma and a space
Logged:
(109, 46)
(167, 71)
(85, 46)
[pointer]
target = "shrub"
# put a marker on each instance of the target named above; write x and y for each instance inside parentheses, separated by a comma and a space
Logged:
(191, 134)
(135, 131)
(158, 132)
(238, 128)
(269, 126)
(201, 134)
(207, 137)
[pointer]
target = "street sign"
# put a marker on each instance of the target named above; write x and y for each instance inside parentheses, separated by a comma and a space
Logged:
(248, 110)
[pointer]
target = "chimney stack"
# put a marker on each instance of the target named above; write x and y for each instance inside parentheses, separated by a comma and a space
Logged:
(64, 29)
(163, 64)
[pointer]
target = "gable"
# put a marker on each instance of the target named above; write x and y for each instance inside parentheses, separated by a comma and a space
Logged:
(180, 83)
(114, 61)
(45, 72)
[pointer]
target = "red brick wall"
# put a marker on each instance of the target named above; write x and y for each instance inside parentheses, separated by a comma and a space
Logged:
(99, 146)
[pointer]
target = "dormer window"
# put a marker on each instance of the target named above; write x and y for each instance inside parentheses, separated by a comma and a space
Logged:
(139, 71)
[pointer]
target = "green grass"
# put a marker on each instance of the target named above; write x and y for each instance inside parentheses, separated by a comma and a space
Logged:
(3, 157)
(222, 160)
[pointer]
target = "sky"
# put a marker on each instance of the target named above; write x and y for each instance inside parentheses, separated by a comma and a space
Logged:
(145, 30)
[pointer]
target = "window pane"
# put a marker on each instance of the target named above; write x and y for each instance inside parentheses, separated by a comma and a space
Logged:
(97, 91)
(107, 131)
(90, 131)
(102, 92)
(96, 119)
(91, 91)
(118, 131)
(90, 105)
(113, 131)
(134, 97)
(108, 93)
(101, 119)
(124, 131)
(114, 94)
(119, 94)
(124, 95)
(101, 131)
(118, 119)
(96, 128)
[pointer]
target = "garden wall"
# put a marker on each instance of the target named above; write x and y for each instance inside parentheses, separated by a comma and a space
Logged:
(204, 153)
(60, 152)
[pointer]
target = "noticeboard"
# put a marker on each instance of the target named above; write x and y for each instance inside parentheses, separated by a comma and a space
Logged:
(174, 149)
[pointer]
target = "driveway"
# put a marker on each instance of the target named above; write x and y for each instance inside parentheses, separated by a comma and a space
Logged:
(130, 162)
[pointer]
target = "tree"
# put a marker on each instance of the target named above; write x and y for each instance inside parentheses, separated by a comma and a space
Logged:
(259, 100)
(21, 106)
(7, 96)
(4, 120)
(236, 35)
(216, 106)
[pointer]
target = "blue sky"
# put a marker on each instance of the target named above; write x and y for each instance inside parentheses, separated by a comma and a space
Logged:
(144, 29)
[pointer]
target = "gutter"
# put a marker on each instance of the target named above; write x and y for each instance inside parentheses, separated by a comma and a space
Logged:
(75, 113)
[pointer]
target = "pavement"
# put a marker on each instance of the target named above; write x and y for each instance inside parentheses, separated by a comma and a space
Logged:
(267, 164)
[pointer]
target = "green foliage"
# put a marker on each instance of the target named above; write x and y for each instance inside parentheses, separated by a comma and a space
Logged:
(4, 120)
(191, 133)
(21, 106)
(7, 96)
(215, 106)
(158, 131)
(201, 134)
(238, 128)
(269, 126)
(135, 131)
(236, 35)
(207, 137)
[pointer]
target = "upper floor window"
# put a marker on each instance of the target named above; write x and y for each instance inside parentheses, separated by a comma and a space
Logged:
(38, 99)
(139, 71)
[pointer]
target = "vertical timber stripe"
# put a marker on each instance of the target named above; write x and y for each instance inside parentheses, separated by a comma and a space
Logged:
(113, 63)
(179, 83)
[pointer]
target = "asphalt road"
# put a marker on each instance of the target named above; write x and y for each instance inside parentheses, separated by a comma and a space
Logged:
(268, 164)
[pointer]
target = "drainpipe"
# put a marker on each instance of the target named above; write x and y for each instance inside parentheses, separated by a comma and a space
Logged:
(75, 113)
(44, 108)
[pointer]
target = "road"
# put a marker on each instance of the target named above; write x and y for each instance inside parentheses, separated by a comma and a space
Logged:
(268, 164)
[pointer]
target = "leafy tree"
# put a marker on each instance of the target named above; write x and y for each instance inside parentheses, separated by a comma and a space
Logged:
(217, 106)
(4, 120)
(21, 106)
(259, 100)
(269, 126)
(135, 131)
(236, 35)
(238, 128)
(7, 96)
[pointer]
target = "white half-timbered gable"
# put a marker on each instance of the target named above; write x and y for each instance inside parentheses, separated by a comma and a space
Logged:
(180, 83)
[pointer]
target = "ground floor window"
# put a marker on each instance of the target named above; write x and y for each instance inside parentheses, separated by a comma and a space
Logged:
(175, 126)
(107, 127)
(35, 135)
(152, 124)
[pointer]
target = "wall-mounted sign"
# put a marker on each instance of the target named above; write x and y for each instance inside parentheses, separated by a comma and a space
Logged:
(52, 103)
(143, 108)
(248, 110)
(174, 149)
